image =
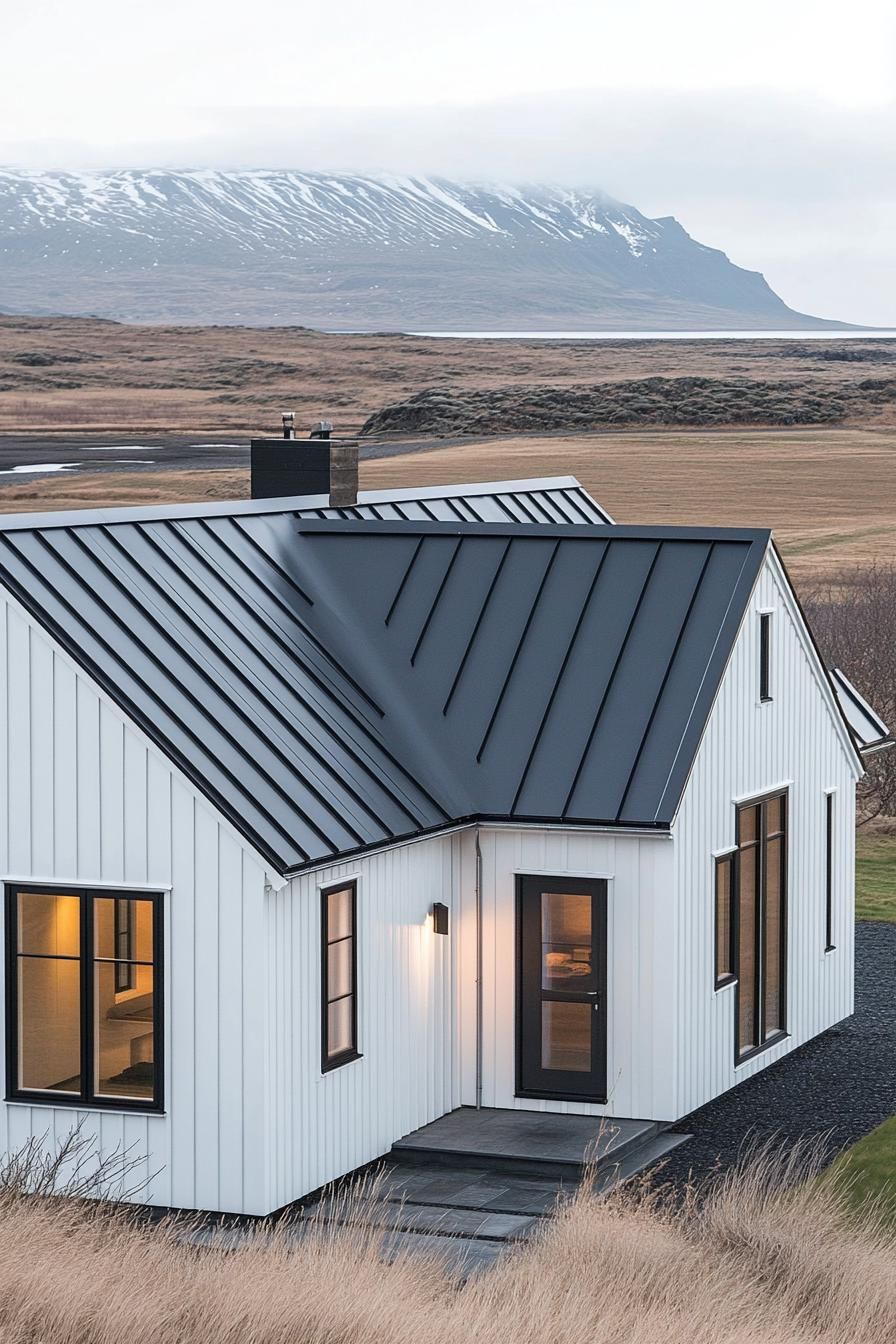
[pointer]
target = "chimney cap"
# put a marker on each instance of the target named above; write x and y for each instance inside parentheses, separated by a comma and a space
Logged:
(322, 429)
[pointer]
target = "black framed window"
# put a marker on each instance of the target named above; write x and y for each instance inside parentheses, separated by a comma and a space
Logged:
(829, 874)
(765, 646)
(725, 879)
(84, 1003)
(760, 923)
(339, 975)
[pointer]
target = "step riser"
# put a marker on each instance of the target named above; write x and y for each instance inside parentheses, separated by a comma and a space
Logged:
(406, 1153)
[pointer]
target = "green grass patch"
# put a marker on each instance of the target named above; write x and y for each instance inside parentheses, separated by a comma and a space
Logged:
(876, 877)
(869, 1171)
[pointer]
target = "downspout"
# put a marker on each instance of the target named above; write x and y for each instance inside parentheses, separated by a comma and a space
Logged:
(479, 994)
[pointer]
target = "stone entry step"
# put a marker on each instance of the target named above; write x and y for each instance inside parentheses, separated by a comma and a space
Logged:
(466, 1191)
(441, 1220)
(528, 1142)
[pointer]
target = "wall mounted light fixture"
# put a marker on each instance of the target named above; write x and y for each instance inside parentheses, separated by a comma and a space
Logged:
(439, 918)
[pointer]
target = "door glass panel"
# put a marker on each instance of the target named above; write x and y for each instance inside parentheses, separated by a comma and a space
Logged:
(566, 1036)
(566, 960)
(775, 815)
(49, 1024)
(124, 1042)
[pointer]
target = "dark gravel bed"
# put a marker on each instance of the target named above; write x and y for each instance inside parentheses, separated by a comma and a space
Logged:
(834, 1089)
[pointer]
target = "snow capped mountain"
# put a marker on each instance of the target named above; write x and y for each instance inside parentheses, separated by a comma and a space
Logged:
(358, 252)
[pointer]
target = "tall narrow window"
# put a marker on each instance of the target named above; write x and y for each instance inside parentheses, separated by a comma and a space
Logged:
(339, 974)
(760, 885)
(84, 1023)
(829, 874)
(765, 637)
(725, 869)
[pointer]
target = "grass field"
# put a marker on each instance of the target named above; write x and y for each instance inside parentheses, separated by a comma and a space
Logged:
(876, 878)
(830, 495)
(58, 375)
(869, 1169)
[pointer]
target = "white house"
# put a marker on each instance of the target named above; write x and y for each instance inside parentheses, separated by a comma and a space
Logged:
(317, 823)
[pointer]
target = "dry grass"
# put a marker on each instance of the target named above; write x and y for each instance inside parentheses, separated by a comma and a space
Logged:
(830, 495)
(766, 1258)
(63, 374)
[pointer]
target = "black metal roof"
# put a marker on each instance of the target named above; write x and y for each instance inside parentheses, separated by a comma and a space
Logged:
(332, 686)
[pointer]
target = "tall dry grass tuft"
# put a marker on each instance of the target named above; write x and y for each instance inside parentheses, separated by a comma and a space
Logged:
(764, 1256)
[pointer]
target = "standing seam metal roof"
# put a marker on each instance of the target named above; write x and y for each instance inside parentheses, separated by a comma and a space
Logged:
(335, 685)
(192, 619)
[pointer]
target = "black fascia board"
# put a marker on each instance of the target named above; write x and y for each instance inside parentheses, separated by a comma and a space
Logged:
(479, 819)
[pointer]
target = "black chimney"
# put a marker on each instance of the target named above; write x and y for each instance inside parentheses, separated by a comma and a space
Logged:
(319, 465)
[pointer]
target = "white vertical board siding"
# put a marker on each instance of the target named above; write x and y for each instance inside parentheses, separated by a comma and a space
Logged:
(751, 748)
(321, 1125)
(641, 923)
(85, 799)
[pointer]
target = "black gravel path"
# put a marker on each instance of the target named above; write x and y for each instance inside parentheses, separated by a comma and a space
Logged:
(835, 1089)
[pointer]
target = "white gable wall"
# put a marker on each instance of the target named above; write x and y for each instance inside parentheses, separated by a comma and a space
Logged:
(86, 799)
(750, 748)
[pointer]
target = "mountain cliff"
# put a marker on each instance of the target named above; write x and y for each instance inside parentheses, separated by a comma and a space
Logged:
(360, 253)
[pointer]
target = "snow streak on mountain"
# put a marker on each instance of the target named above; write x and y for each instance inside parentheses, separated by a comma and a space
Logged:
(362, 253)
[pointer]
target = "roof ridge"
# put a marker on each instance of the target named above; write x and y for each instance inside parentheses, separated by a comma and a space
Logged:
(146, 513)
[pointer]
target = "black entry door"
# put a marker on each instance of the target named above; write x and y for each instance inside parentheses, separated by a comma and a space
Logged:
(561, 1009)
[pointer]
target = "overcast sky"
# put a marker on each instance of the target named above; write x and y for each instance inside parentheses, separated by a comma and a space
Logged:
(767, 127)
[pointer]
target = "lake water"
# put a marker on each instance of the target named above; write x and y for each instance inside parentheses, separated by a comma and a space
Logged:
(851, 335)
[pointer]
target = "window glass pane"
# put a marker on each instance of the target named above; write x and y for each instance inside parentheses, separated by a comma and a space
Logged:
(339, 913)
(773, 938)
(765, 622)
(748, 824)
(49, 925)
(124, 1044)
(339, 1027)
(566, 1036)
(774, 815)
(746, 992)
(723, 918)
(49, 1024)
(566, 947)
(122, 928)
(339, 969)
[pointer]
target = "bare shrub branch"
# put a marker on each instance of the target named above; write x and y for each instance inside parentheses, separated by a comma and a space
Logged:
(853, 618)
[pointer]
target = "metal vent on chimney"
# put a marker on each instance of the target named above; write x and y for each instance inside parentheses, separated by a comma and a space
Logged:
(319, 465)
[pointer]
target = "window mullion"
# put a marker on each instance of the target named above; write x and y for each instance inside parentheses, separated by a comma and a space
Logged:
(86, 997)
